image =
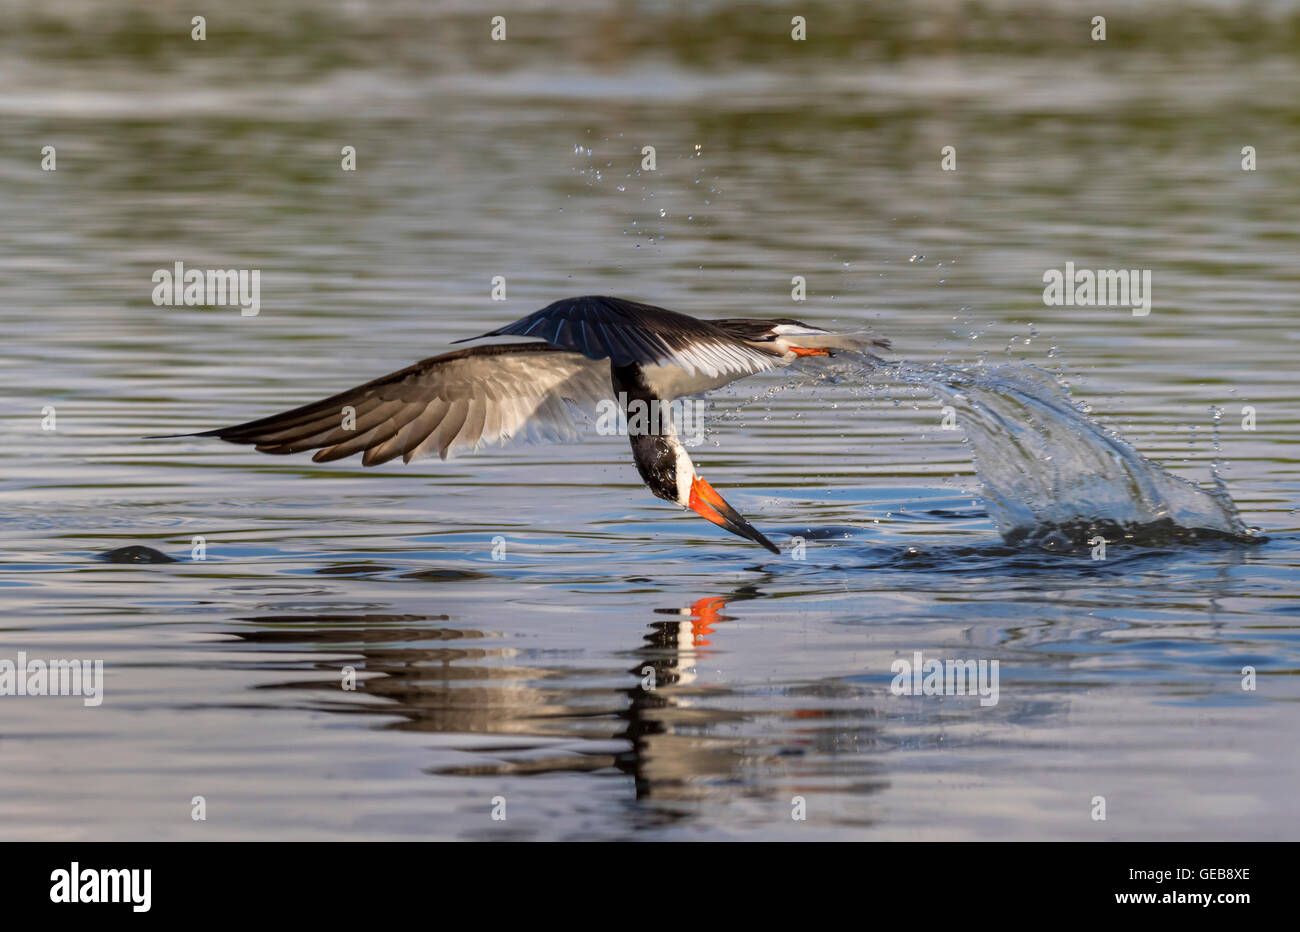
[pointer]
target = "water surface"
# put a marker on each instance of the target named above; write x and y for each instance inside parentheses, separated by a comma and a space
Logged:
(526, 677)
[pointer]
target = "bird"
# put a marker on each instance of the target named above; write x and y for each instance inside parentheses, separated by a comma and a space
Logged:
(586, 351)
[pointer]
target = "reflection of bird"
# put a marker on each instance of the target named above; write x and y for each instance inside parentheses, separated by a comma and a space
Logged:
(492, 393)
(705, 613)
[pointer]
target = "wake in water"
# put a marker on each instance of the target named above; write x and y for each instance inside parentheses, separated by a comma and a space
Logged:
(1054, 477)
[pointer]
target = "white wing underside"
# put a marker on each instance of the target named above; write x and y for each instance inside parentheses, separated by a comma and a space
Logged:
(713, 360)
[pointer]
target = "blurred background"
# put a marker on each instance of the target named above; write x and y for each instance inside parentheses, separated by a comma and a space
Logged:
(523, 158)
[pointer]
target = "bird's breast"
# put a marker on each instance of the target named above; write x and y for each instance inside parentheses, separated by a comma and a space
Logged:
(669, 381)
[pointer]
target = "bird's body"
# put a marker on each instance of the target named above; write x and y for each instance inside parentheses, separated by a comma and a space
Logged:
(596, 349)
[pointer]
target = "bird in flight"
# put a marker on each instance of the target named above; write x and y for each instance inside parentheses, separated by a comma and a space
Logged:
(593, 349)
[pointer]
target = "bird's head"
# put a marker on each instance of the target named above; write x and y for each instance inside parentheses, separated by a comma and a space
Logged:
(668, 472)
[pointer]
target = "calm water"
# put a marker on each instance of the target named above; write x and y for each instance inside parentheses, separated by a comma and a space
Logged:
(525, 678)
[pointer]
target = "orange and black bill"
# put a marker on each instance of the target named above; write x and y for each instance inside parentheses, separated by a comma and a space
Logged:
(708, 504)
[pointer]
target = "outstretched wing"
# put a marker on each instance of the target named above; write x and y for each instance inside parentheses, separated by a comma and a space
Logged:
(627, 332)
(446, 403)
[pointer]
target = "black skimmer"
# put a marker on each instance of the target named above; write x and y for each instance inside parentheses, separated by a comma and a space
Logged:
(595, 348)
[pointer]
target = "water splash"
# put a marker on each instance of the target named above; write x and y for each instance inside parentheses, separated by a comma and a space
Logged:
(1053, 476)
